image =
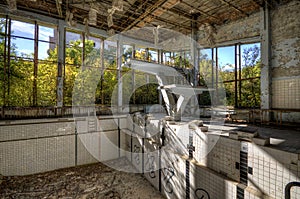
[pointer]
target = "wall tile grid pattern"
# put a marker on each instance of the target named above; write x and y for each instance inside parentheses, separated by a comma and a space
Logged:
(39, 147)
(286, 93)
(272, 170)
(38, 155)
(285, 27)
(223, 157)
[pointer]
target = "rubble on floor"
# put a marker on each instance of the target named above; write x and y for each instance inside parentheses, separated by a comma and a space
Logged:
(89, 181)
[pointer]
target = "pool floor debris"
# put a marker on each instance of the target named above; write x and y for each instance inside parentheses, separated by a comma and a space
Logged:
(84, 182)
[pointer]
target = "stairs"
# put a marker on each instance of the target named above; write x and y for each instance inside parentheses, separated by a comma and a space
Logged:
(186, 76)
(92, 124)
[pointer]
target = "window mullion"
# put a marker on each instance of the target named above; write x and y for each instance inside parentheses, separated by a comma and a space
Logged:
(35, 63)
(236, 54)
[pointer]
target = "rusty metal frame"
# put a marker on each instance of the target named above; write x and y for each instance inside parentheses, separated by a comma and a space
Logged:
(5, 61)
(35, 63)
(8, 56)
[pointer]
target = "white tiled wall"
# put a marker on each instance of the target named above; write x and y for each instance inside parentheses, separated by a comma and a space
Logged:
(206, 183)
(137, 156)
(272, 170)
(47, 145)
(223, 156)
(151, 163)
(36, 155)
(217, 173)
(286, 93)
(173, 175)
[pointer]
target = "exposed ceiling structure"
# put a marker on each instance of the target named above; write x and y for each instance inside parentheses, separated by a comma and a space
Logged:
(122, 15)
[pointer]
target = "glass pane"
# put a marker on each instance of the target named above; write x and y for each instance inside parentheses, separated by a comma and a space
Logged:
(110, 54)
(127, 52)
(140, 53)
(71, 73)
(74, 49)
(127, 86)
(71, 37)
(46, 84)
(144, 93)
(177, 59)
(167, 58)
(2, 26)
(2, 46)
(92, 52)
(21, 83)
(46, 50)
(226, 94)
(109, 81)
(22, 47)
(85, 86)
(187, 59)
(226, 63)
(250, 60)
(22, 29)
(206, 68)
(48, 34)
(250, 93)
(153, 55)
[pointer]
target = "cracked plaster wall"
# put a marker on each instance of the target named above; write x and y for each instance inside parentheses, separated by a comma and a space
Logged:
(285, 58)
(285, 51)
(237, 30)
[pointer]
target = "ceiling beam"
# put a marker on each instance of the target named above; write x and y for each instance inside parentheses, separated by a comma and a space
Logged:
(150, 10)
(59, 10)
(160, 19)
(120, 25)
(173, 12)
(158, 11)
(235, 7)
(256, 3)
(202, 12)
(136, 9)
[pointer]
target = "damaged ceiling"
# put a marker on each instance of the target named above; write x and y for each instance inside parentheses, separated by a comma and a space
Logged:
(123, 15)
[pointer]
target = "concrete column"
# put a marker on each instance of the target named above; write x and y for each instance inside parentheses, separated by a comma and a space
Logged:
(61, 63)
(265, 59)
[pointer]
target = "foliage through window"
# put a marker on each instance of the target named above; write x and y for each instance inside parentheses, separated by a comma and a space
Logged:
(237, 78)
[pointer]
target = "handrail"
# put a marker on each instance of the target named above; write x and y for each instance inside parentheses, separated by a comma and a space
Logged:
(287, 191)
(57, 112)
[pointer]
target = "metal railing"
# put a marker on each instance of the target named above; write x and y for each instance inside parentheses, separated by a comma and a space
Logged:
(287, 191)
(66, 111)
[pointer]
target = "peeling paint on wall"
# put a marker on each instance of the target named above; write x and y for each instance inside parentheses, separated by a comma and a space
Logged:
(244, 28)
(285, 31)
(286, 53)
(285, 22)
